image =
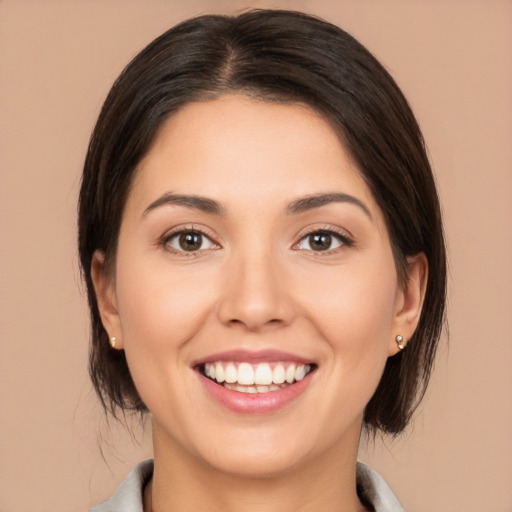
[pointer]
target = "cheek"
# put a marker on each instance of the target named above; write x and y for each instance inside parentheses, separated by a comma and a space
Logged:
(353, 309)
(358, 302)
(355, 321)
(160, 312)
(160, 309)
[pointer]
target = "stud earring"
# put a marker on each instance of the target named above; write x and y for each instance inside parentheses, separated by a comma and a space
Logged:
(401, 342)
(113, 342)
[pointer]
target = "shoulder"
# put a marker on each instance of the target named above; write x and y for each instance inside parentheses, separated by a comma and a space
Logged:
(374, 490)
(129, 495)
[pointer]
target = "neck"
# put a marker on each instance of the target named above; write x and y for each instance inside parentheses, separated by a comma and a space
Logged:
(183, 482)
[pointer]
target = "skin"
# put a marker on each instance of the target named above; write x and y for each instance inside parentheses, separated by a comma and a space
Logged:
(256, 283)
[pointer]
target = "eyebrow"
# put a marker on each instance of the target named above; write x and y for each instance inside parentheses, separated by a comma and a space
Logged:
(316, 201)
(213, 207)
(188, 201)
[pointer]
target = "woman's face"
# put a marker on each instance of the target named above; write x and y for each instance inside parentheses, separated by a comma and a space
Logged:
(251, 249)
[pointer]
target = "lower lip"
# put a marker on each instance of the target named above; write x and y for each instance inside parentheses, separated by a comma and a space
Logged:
(255, 403)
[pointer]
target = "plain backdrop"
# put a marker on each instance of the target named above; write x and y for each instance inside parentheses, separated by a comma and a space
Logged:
(453, 59)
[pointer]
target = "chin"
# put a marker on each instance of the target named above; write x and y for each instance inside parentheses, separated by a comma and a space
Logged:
(259, 463)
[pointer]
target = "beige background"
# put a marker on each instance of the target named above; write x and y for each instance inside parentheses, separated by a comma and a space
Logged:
(58, 59)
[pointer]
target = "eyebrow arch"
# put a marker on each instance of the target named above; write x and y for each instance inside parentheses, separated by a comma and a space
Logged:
(188, 201)
(318, 200)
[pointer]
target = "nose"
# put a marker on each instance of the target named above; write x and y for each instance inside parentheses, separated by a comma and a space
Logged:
(256, 295)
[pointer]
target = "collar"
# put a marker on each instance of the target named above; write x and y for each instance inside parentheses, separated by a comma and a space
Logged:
(129, 495)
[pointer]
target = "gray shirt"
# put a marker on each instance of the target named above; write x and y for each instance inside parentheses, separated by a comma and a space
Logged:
(129, 495)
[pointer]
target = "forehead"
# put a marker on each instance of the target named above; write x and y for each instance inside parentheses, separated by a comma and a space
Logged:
(248, 149)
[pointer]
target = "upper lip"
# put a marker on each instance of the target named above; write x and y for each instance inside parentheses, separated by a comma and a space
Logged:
(255, 357)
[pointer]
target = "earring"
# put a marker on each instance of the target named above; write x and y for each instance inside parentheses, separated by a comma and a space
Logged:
(401, 342)
(113, 342)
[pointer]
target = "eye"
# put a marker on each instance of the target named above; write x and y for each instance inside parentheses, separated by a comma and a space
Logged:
(189, 241)
(323, 241)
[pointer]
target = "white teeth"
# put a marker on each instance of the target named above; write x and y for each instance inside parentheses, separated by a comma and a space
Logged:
(219, 372)
(210, 371)
(290, 373)
(300, 372)
(253, 389)
(245, 374)
(242, 389)
(231, 374)
(260, 378)
(263, 374)
(278, 375)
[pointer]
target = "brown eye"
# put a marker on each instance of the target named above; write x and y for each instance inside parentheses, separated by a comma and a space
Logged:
(322, 241)
(189, 241)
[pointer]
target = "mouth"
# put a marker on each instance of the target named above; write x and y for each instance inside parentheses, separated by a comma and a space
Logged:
(255, 378)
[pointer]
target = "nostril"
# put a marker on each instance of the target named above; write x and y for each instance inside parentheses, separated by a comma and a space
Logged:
(255, 324)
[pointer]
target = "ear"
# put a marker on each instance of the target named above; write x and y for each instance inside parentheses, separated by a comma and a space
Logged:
(106, 297)
(409, 301)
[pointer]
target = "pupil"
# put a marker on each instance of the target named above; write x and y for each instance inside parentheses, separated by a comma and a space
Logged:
(320, 241)
(190, 241)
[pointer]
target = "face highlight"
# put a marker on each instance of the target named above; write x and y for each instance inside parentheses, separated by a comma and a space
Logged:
(256, 295)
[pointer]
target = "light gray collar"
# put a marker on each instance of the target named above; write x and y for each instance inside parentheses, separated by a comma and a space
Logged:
(129, 495)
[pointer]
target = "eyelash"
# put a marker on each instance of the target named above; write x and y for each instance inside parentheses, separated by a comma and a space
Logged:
(342, 237)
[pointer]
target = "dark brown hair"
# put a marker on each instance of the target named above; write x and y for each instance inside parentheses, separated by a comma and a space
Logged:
(278, 56)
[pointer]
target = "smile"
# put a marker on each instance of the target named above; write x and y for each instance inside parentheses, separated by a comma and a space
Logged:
(263, 377)
(261, 382)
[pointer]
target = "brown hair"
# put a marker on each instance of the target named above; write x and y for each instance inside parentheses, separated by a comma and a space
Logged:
(278, 56)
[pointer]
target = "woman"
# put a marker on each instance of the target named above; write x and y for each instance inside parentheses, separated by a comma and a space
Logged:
(261, 239)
